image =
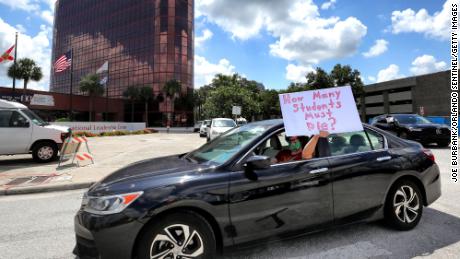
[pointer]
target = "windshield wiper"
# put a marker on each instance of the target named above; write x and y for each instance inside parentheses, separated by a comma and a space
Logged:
(191, 160)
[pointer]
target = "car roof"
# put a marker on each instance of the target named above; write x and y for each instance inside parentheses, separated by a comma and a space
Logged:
(228, 119)
(11, 105)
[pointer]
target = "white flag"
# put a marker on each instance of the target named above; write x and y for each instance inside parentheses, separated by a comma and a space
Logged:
(103, 68)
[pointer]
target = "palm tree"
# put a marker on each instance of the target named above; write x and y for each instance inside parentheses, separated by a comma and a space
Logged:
(25, 69)
(172, 89)
(146, 95)
(132, 93)
(91, 85)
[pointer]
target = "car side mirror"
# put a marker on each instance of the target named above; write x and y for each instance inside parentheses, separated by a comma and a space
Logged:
(255, 162)
(26, 124)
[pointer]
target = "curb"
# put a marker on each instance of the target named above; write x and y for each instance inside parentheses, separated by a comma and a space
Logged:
(42, 189)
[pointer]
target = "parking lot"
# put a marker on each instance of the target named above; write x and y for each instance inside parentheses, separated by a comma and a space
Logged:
(26, 221)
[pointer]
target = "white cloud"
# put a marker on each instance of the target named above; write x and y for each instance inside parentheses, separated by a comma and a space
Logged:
(426, 64)
(48, 16)
(205, 70)
(379, 47)
(206, 35)
(33, 6)
(389, 73)
(371, 79)
(301, 34)
(328, 4)
(297, 73)
(26, 5)
(36, 47)
(435, 26)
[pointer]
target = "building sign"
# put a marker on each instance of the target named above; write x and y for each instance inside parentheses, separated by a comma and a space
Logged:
(43, 100)
(99, 127)
(236, 110)
(16, 97)
(331, 109)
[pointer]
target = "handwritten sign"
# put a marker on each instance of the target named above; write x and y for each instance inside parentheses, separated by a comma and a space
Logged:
(331, 109)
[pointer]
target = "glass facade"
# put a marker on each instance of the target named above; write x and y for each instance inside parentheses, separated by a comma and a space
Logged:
(146, 42)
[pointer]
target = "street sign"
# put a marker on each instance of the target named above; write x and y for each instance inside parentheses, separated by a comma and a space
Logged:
(236, 110)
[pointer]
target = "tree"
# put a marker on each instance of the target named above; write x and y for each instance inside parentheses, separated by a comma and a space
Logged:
(172, 89)
(270, 104)
(146, 95)
(345, 75)
(91, 85)
(25, 69)
(319, 79)
(132, 93)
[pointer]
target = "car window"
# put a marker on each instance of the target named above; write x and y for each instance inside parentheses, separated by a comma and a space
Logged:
(227, 145)
(5, 117)
(12, 119)
(377, 140)
(348, 143)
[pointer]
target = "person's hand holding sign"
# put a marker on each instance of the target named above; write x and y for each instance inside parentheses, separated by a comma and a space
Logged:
(309, 149)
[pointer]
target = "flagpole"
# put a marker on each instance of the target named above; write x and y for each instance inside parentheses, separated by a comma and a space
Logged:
(71, 85)
(15, 54)
(107, 93)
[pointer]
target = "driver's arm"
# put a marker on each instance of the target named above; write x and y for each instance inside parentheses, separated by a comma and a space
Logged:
(309, 149)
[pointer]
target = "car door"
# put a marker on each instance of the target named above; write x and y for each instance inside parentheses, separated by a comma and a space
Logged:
(15, 132)
(361, 167)
(286, 197)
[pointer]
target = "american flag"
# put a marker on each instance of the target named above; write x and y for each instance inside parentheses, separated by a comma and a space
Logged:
(63, 62)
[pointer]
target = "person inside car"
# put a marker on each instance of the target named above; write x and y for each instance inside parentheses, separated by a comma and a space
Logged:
(296, 152)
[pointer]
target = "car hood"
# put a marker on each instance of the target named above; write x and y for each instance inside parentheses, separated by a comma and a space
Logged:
(148, 173)
(63, 129)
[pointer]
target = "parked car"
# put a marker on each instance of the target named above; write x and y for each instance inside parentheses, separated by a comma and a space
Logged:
(414, 127)
(229, 192)
(219, 126)
(23, 132)
(241, 121)
(197, 126)
(204, 128)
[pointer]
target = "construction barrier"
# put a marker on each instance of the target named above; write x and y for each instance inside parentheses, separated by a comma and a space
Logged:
(72, 151)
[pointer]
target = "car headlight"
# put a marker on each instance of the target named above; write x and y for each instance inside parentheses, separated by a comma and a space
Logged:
(112, 204)
(414, 129)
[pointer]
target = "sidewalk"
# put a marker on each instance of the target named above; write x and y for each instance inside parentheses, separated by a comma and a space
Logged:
(20, 175)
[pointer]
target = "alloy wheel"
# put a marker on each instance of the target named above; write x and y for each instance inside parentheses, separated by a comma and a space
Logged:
(177, 241)
(406, 204)
(45, 153)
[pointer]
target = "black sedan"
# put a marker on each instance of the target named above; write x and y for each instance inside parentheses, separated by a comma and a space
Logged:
(231, 192)
(414, 127)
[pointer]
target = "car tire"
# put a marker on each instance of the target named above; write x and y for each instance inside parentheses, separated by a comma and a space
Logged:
(45, 152)
(403, 206)
(443, 143)
(167, 235)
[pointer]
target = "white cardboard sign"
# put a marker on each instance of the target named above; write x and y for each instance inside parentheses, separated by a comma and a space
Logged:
(331, 109)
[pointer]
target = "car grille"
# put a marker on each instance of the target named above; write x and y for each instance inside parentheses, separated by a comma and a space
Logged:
(86, 248)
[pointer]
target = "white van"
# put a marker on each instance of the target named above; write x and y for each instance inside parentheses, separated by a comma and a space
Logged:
(23, 132)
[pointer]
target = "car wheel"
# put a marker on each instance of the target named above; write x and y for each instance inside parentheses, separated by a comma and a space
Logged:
(443, 143)
(179, 235)
(45, 152)
(404, 206)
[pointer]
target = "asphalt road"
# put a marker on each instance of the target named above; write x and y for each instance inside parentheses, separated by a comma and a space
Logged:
(41, 226)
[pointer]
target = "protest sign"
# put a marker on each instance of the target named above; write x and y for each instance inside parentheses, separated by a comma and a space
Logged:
(331, 109)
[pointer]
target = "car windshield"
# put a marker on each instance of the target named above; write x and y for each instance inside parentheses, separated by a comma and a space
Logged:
(411, 119)
(224, 123)
(34, 118)
(227, 145)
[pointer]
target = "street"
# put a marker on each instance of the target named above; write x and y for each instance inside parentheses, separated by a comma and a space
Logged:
(41, 226)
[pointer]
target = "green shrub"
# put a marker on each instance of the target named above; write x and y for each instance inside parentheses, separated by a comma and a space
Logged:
(63, 120)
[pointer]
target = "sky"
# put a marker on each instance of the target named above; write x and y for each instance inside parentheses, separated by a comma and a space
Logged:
(277, 42)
